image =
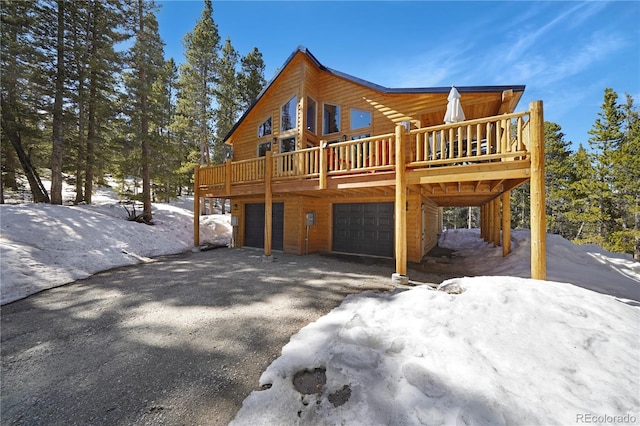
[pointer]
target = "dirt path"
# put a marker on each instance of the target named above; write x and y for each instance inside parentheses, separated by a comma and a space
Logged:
(182, 340)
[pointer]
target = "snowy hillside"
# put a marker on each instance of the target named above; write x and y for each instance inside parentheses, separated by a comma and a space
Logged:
(43, 246)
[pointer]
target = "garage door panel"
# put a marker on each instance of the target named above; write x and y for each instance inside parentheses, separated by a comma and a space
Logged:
(254, 225)
(364, 228)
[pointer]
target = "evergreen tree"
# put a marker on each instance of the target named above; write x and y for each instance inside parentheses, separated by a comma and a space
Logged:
(559, 175)
(228, 99)
(605, 141)
(627, 178)
(106, 27)
(585, 211)
(251, 78)
(167, 156)
(520, 206)
(198, 82)
(146, 63)
(21, 103)
(58, 117)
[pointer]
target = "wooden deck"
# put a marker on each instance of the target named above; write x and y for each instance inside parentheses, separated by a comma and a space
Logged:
(461, 164)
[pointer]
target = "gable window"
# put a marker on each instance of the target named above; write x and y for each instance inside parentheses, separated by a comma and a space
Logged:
(288, 115)
(312, 107)
(360, 119)
(330, 119)
(263, 148)
(265, 128)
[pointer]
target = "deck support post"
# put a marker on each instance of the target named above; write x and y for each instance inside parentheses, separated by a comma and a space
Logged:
(506, 223)
(538, 217)
(323, 165)
(268, 204)
(400, 207)
(196, 206)
(227, 176)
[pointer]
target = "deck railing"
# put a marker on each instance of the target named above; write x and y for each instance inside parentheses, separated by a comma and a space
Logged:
(361, 155)
(246, 171)
(304, 163)
(499, 138)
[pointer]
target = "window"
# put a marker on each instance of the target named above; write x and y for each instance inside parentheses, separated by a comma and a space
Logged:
(331, 119)
(311, 114)
(360, 119)
(263, 148)
(265, 128)
(355, 138)
(288, 115)
(287, 144)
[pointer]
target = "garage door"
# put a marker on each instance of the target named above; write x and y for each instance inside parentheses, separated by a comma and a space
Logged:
(363, 228)
(254, 225)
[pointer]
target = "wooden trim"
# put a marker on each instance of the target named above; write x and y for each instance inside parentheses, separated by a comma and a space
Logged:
(537, 195)
(400, 204)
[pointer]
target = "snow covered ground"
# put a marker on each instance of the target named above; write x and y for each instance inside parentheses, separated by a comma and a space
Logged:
(489, 350)
(43, 246)
(495, 349)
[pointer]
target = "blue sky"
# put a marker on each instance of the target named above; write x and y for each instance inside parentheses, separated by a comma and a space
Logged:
(566, 53)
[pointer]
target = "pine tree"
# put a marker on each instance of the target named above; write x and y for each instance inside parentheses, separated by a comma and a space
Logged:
(520, 206)
(58, 117)
(627, 178)
(228, 99)
(166, 153)
(585, 211)
(20, 101)
(606, 139)
(146, 63)
(198, 82)
(559, 176)
(251, 78)
(106, 23)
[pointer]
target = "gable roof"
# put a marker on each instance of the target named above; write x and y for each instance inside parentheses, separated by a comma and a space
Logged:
(365, 83)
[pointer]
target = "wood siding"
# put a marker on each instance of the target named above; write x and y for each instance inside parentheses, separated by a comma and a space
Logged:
(303, 78)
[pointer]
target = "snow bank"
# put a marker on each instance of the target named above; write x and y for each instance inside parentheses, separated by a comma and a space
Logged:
(43, 246)
(504, 351)
(587, 266)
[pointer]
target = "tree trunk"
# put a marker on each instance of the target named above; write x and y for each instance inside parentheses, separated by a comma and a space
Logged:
(38, 191)
(144, 124)
(58, 129)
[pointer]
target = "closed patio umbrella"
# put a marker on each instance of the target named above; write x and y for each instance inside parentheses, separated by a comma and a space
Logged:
(454, 112)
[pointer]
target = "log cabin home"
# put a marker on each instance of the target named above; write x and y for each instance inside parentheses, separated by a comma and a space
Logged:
(326, 162)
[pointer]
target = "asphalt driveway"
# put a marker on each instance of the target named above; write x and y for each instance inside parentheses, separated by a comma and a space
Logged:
(179, 341)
